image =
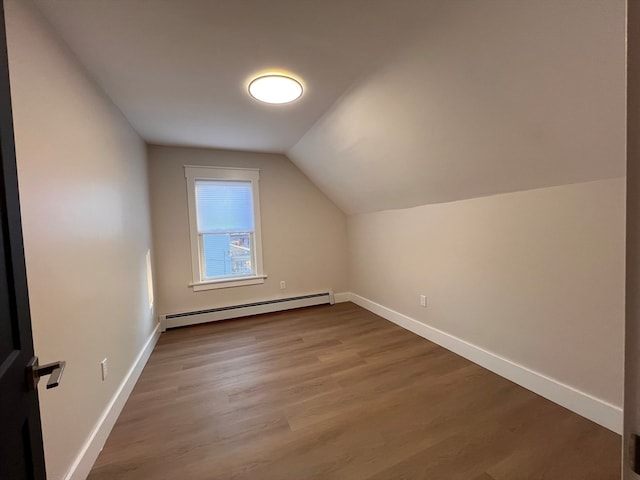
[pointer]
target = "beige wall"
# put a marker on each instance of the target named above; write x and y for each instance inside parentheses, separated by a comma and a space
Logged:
(83, 192)
(534, 276)
(304, 234)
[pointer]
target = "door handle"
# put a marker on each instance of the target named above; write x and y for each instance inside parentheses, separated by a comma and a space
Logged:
(35, 371)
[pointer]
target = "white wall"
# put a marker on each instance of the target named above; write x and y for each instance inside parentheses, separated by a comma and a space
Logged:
(535, 276)
(304, 235)
(83, 191)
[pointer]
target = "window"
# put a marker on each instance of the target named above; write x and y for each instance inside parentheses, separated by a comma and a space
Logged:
(224, 222)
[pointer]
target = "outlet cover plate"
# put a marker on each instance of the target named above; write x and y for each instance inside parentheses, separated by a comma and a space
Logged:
(104, 367)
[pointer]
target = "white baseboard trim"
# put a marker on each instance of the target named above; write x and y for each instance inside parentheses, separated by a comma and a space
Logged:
(96, 440)
(342, 297)
(588, 406)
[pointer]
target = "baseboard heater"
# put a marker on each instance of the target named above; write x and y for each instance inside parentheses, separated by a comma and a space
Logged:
(235, 311)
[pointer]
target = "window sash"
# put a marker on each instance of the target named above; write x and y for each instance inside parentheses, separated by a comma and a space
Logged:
(228, 262)
(224, 206)
(201, 280)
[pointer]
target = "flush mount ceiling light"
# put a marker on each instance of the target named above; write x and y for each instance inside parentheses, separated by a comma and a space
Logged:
(275, 88)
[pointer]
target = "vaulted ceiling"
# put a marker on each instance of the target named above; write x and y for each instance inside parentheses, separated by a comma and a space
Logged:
(406, 102)
(178, 69)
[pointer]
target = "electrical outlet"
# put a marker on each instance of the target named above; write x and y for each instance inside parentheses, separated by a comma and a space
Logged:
(423, 300)
(104, 366)
(283, 284)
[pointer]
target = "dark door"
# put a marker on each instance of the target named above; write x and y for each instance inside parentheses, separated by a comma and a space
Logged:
(21, 453)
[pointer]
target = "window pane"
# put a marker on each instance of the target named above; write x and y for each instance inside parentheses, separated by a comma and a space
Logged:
(224, 206)
(227, 254)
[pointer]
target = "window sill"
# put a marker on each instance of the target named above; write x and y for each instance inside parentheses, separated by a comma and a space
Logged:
(227, 283)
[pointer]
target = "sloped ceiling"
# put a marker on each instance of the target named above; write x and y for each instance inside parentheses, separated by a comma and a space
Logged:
(407, 102)
(495, 96)
(179, 69)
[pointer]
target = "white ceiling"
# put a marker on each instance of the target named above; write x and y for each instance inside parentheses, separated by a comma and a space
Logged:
(178, 69)
(407, 102)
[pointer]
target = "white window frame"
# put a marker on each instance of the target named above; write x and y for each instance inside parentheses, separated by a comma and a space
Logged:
(193, 173)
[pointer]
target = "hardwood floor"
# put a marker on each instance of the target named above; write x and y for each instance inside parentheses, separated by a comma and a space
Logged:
(336, 392)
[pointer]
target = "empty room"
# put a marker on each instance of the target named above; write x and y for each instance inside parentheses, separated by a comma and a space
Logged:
(340, 239)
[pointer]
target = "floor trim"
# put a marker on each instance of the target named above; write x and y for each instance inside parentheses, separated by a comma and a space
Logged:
(92, 447)
(588, 406)
(342, 297)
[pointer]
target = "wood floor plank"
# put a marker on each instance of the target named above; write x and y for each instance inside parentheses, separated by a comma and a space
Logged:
(336, 392)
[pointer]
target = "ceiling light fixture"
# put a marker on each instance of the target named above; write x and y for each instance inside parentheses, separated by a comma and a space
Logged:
(275, 88)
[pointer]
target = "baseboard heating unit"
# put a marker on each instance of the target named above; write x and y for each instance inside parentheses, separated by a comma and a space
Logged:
(235, 311)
